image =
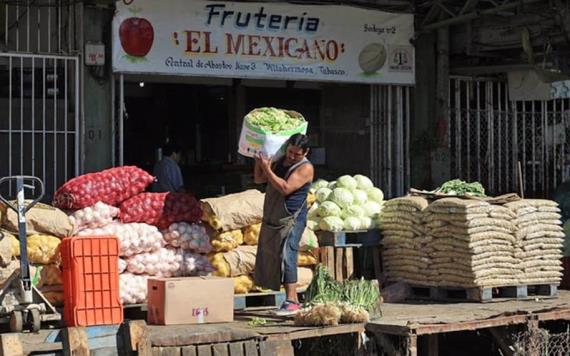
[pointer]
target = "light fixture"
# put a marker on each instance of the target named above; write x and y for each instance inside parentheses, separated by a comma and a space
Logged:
(141, 84)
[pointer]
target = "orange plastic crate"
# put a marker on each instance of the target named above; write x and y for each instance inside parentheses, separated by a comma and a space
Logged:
(91, 281)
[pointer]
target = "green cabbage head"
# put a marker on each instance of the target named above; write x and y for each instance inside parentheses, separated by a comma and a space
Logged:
(342, 197)
(329, 208)
(331, 223)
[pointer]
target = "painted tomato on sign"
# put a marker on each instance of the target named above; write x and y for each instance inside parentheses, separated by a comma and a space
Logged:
(136, 35)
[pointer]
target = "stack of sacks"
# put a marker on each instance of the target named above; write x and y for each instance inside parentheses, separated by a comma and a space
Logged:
(473, 243)
(144, 251)
(539, 240)
(234, 222)
(238, 264)
(406, 247)
(45, 226)
(44, 259)
(48, 280)
(306, 259)
(225, 241)
(233, 211)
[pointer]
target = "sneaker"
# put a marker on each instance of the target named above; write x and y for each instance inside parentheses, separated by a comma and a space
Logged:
(288, 308)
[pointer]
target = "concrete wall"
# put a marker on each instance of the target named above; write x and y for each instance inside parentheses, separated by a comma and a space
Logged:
(97, 94)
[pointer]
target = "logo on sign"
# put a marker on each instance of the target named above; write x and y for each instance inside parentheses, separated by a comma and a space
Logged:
(401, 60)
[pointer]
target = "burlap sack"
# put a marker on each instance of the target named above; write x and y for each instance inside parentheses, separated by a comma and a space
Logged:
(501, 210)
(533, 203)
(458, 210)
(531, 270)
(398, 233)
(304, 277)
(455, 217)
(417, 203)
(543, 257)
(554, 280)
(414, 218)
(399, 251)
(458, 203)
(241, 260)
(549, 209)
(6, 248)
(469, 231)
(543, 274)
(543, 246)
(399, 208)
(541, 202)
(41, 219)
(236, 211)
(486, 222)
(537, 217)
(522, 232)
(6, 271)
(494, 259)
(526, 211)
(525, 224)
(556, 235)
(405, 262)
(492, 235)
(457, 272)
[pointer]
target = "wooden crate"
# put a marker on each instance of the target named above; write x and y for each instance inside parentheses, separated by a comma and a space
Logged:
(339, 261)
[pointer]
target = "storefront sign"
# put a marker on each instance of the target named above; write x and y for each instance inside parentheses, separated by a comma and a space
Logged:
(263, 40)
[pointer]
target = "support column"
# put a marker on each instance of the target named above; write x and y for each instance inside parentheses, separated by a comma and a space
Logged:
(441, 156)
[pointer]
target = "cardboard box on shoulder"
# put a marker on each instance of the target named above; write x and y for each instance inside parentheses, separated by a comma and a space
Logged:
(190, 300)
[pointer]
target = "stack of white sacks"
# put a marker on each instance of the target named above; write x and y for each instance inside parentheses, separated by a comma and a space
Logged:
(407, 248)
(145, 251)
(473, 242)
(470, 243)
(539, 240)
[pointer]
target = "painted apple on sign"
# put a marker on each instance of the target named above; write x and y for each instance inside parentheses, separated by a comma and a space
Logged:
(136, 35)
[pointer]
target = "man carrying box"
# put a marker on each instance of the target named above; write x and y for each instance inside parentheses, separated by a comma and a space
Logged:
(284, 218)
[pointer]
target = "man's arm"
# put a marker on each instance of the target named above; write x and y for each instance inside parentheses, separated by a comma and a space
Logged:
(258, 175)
(296, 180)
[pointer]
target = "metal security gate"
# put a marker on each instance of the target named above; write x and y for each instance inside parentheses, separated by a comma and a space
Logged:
(39, 90)
(39, 117)
(490, 134)
(390, 112)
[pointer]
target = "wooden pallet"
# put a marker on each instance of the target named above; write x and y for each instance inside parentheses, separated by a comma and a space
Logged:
(519, 292)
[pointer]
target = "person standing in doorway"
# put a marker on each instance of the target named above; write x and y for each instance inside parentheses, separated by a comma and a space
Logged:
(167, 171)
(284, 218)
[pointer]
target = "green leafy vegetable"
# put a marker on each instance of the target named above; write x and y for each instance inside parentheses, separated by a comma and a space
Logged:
(273, 120)
(460, 188)
(357, 293)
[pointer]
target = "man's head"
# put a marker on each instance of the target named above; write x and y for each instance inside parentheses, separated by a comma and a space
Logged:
(173, 151)
(297, 149)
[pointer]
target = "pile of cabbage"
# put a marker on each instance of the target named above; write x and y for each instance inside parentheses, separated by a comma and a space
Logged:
(350, 203)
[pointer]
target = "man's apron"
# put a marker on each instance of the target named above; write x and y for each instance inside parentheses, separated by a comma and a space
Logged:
(275, 229)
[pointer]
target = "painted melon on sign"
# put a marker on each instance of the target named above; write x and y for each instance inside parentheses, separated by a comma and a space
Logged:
(372, 58)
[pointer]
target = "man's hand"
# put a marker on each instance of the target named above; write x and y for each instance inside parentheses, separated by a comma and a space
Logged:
(264, 163)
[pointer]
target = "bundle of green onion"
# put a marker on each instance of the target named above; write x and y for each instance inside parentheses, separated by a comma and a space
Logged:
(330, 302)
